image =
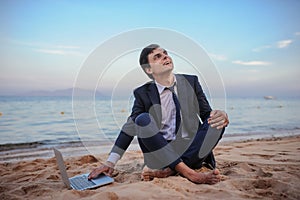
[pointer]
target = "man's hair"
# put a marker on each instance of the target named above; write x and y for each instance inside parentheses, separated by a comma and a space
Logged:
(144, 62)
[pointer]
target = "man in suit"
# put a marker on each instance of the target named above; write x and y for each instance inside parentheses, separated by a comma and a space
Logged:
(166, 119)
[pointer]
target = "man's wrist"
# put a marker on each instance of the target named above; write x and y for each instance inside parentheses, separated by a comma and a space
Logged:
(109, 164)
(113, 158)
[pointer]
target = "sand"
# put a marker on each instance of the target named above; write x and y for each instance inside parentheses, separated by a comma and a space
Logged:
(257, 169)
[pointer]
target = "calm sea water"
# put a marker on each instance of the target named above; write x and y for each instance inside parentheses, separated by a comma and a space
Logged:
(50, 120)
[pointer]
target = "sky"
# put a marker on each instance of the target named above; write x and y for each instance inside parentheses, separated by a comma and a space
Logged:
(254, 44)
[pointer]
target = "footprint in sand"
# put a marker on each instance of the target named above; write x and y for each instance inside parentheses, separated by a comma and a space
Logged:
(258, 155)
(261, 173)
(262, 184)
(53, 177)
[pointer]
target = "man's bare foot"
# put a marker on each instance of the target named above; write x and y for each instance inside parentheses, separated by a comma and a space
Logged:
(149, 174)
(212, 177)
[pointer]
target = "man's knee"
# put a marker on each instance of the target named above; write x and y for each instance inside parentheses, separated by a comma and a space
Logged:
(143, 119)
(146, 125)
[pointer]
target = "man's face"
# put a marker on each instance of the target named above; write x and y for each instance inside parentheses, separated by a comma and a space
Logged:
(160, 62)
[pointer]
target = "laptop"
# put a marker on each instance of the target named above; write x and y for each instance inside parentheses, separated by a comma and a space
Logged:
(79, 182)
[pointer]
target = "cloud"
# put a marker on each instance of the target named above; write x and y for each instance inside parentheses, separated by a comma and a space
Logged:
(284, 43)
(253, 71)
(279, 45)
(297, 33)
(251, 63)
(43, 45)
(259, 49)
(58, 52)
(217, 57)
(51, 51)
(67, 47)
(55, 49)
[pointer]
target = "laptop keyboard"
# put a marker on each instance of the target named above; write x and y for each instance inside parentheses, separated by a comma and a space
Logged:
(81, 182)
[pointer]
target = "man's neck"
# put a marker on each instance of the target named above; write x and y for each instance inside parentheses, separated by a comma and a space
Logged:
(165, 80)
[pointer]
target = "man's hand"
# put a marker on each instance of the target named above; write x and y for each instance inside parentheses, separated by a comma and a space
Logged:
(107, 169)
(218, 119)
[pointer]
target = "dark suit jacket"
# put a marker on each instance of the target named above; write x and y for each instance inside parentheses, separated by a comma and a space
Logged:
(192, 101)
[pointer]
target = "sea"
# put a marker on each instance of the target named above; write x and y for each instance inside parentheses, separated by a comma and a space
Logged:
(51, 121)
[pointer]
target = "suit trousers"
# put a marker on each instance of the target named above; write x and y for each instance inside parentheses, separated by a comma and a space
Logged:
(160, 153)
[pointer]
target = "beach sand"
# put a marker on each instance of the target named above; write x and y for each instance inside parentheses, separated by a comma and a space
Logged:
(257, 169)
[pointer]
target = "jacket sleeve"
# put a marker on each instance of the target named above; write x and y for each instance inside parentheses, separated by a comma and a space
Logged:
(128, 130)
(203, 104)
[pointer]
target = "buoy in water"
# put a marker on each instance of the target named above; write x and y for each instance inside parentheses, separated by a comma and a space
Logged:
(62, 113)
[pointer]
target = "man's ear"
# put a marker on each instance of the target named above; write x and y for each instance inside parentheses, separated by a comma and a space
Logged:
(148, 70)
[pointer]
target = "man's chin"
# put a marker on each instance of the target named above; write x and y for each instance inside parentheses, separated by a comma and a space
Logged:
(169, 66)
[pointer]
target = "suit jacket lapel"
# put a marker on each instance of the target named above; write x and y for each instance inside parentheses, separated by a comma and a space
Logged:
(182, 89)
(155, 109)
(153, 94)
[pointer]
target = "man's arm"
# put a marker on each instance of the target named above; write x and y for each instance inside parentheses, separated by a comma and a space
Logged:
(122, 142)
(216, 118)
(203, 104)
(128, 131)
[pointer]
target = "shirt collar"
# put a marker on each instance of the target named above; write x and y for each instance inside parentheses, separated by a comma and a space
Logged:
(161, 88)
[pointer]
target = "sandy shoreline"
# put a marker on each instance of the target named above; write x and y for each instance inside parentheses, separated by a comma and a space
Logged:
(256, 169)
(35, 150)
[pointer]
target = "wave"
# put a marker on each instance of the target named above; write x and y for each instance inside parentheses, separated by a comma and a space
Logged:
(286, 129)
(49, 144)
(35, 145)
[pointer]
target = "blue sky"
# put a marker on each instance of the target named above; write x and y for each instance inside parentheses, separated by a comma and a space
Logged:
(255, 44)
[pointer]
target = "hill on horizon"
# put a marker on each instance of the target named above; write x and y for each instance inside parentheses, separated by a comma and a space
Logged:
(62, 92)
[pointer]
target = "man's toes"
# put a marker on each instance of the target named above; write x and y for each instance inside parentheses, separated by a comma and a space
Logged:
(146, 173)
(214, 179)
(216, 172)
(146, 178)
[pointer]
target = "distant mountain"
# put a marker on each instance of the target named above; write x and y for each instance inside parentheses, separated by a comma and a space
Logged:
(64, 92)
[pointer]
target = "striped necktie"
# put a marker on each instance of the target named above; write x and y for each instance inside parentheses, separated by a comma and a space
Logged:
(177, 105)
